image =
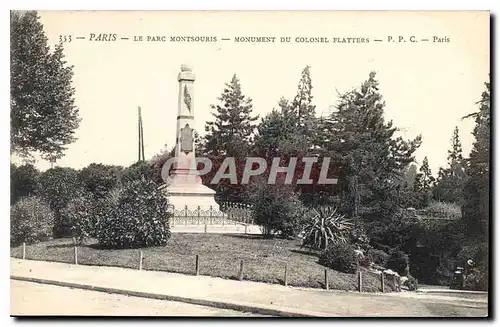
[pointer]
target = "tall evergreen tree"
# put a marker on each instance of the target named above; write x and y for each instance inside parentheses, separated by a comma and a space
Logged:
(43, 114)
(370, 157)
(231, 133)
(476, 209)
(289, 130)
(450, 182)
(424, 184)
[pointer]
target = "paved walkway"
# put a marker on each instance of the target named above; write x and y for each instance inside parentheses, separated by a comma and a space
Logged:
(243, 295)
(28, 298)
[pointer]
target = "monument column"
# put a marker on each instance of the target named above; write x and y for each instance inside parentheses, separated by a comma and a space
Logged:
(185, 187)
(184, 142)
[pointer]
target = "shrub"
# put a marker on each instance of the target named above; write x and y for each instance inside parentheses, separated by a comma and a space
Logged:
(99, 179)
(411, 283)
(358, 235)
(398, 261)
(23, 181)
(31, 220)
(278, 210)
(340, 257)
(442, 210)
(138, 170)
(135, 216)
(378, 257)
(58, 186)
(324, 226)
(82, 216)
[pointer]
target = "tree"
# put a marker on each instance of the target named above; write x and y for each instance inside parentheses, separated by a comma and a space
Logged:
(43, 114)
(476, 208)
(99, 179)
(58, 186)
(289, 130)
(23, 181)
(370, 158)
(424, 184)
(450, 182)
(231, 133)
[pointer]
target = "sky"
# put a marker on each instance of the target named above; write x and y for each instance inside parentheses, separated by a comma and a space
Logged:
(427, 86)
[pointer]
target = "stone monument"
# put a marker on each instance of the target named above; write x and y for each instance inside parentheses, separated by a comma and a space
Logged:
(184, 186)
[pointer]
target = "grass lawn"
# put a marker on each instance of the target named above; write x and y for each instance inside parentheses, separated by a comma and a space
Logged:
(219, 256)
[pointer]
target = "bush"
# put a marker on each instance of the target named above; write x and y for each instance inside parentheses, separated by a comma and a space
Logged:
(138, 170)
(23, 181)
(82, 216)
(135, 216)
(31, 220)
(378, 257)
(340, 257)
(398, 261)
(58, 186)
(411, 283)
(99, 179)
(442, 210)
(324, 226)
(278, 210)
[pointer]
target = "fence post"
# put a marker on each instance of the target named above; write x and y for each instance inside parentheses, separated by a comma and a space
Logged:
(198, 215)
(327, 286)
(140, 260)
(76, 254)
(197, 265)
(173, 216)
(286, 274)
(205, 228)
(360, 282)
(185, 215)
(382, 282)
(24, 250)
(210, 215)
(240, 277)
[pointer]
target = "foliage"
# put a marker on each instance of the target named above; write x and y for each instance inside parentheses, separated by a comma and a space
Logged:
(277, 209)
(137, 216)
(231, 134)
(378, 257)
(341, 257)
(359, 237)
(139, 170)
(476, 208)
(99, 179)
(82, 216)
(398, 261)
(371, 158)
(23, 181)
(324, 226)
(442, 210)
(58, 186)
(43, 114)
(424, 183)
(411, 283)
(31, 220)
(451, 180)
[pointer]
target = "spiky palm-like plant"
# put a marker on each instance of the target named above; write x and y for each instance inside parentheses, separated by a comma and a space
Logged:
(326, 226)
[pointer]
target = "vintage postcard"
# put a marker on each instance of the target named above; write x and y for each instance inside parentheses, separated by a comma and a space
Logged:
(250, 163)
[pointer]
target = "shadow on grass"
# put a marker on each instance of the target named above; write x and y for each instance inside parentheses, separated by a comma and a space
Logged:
(245, 236)
(306, 252)
(64, 245)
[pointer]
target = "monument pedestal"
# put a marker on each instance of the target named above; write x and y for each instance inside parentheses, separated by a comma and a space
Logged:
(188, 191)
